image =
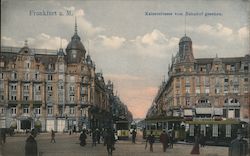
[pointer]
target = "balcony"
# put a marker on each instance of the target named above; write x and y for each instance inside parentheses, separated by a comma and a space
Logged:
(37, 102)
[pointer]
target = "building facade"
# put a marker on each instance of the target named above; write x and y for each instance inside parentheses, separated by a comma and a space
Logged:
(50, 89)
(204, 87)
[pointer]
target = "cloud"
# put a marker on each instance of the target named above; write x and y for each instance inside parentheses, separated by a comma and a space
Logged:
(113, 42)
(41, 41)
(217, 30)
(84, 26)
(80, 12)
(8, 41)
(243, 33)
(155, 37)
(155, 44)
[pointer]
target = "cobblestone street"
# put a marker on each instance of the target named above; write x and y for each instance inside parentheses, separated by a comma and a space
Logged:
(68, 145)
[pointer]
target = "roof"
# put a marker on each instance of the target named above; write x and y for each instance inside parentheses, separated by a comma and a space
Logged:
(185, 39)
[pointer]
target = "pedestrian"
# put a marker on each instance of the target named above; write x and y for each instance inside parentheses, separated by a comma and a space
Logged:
(53, 136)
(104, 135)
(196, 148)
(202, 140)
(110, 142)
(4, 136)
(31, 145)
(164, 140)
(93, 138)
(98, 135)
(83, 138)
(133, 135)
(171, 139)
(74, 129)
(150, 140)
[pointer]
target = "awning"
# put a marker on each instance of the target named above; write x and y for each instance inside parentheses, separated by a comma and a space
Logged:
(203, 110)
(218, 111)
(188, 112)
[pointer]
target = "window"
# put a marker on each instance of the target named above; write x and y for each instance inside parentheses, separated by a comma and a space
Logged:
(26, 87)
(2, 111)
(245, 89)
(2, 97)
(72, 98)
(206, 80)
(13, 97)
(50, 110)
(72, 88)
(25, 110)
(188, 90)
(235, 89)
(25, 98)
(14, 76)
(237, 113)
(232, 67)
(197, 90)
(50, 77)
(217, 91)
(27, 76)
(225, 89)
(207, 90)
(50, 88)
(13, 110)
(226, 80)
(245, 68)
(37, 110)
(1, 75)
(72, 110)
(245, 79)
(49, 98)
(187, 101)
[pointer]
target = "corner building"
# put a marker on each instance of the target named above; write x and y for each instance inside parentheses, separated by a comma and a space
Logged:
(204, 89)
(48, 89)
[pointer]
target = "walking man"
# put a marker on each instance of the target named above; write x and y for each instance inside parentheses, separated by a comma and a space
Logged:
(133, 135)
(83, 138)
(31, 145)
(93, 138)
(164, 140)
(53, 136)
(110, 142)
(150, 140)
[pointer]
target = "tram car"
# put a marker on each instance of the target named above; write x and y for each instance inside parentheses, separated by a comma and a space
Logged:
(122, 129)
(220, 132)
(173, 126)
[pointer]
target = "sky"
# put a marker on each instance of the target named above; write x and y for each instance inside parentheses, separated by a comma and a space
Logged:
(131, 42)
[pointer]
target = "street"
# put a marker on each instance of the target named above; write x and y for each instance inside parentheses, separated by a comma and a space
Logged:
(68, 145)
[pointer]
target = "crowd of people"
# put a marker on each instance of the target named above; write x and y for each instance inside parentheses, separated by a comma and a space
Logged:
(107, 137)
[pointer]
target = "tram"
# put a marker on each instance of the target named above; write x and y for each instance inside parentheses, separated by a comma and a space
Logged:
(173, 125)
(216, 132)
(122, 129)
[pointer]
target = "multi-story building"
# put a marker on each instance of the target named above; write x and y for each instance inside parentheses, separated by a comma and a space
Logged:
(50, 89)
(204, 87)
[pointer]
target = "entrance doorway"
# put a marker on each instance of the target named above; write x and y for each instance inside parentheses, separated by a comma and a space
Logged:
(25, 124)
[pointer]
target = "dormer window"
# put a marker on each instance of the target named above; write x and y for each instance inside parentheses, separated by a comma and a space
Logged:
(73, 54)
